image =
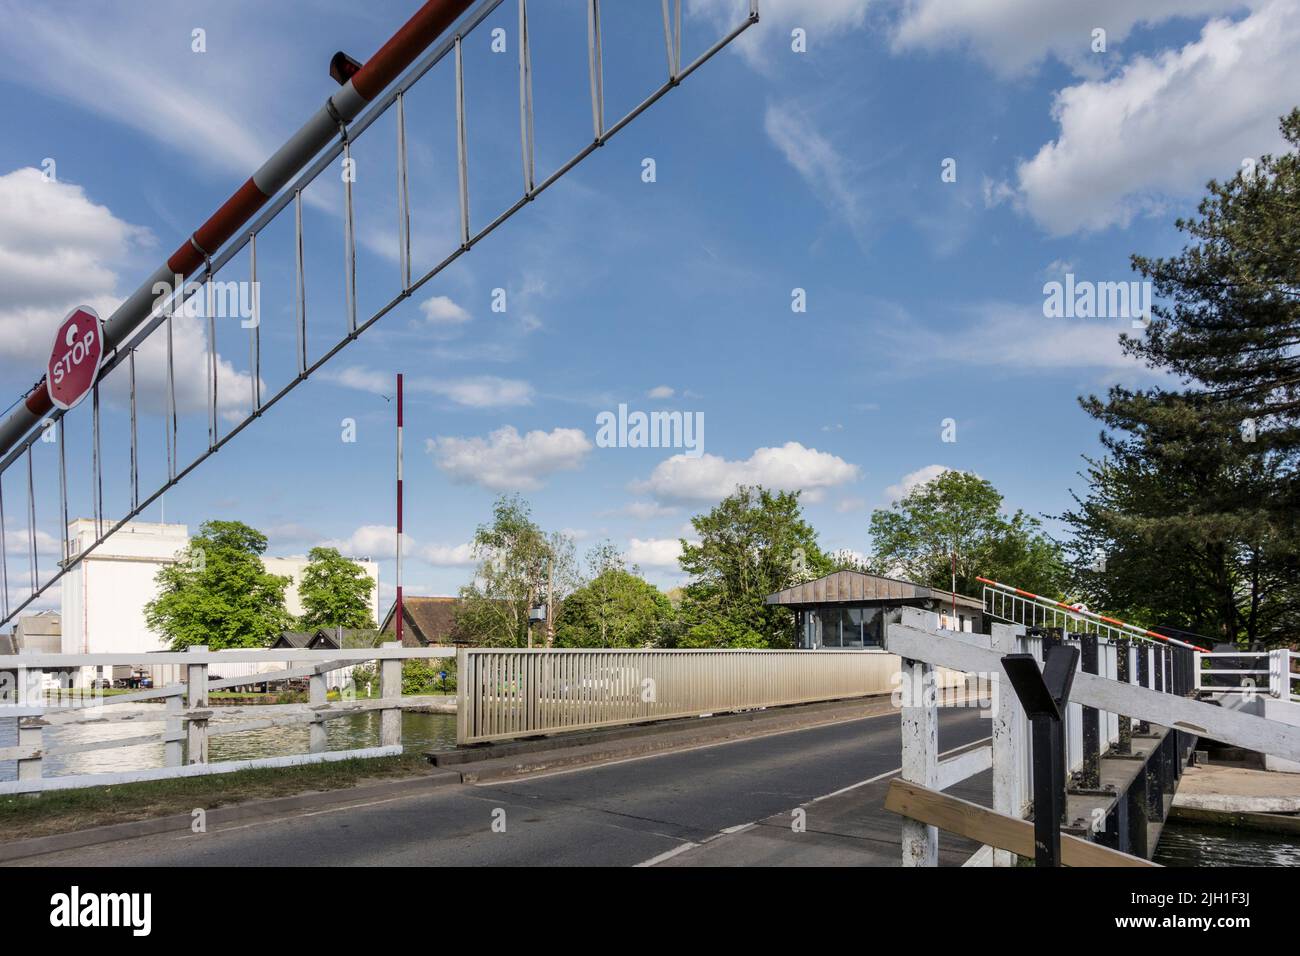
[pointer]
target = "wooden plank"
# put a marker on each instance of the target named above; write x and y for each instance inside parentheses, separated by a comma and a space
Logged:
(994, 829)
(1181, 713)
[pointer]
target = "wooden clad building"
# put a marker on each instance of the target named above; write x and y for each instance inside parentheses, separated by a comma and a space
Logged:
(851, 608)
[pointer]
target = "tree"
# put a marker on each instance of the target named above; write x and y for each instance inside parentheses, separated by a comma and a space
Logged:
(616, 608)
(519, 568)
(335, 592)
(1195, 509)
(753, 543)
(1232, 322)
(959, 514)
(1184, 524)
(218, 592)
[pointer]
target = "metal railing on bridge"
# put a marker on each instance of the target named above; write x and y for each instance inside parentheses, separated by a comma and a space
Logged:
(505, 693)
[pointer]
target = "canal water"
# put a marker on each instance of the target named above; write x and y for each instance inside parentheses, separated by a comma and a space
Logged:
(419, 732)
(1193, 844)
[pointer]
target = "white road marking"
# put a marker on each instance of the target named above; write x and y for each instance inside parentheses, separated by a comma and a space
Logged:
(656, 860)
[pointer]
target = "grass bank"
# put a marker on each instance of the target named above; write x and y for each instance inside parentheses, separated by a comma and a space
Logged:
(61, 811)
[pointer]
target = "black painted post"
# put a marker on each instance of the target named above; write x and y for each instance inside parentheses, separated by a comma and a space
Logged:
(1044, 695)
(1144, 680)
(1160, 669)
(1090, 776)
(1125, 745)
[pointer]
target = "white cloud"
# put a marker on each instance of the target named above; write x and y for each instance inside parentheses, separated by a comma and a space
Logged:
(483, 391)
(479, 391)
(645, 510)
(661, 391)
(1164, 125)
(58, 250)
(17, 542)
(846, 505)
(447, 555)
(822, 166)
(379, 542)
(374, 541)
(654, 552)
(508, 461)
(1014, 35)
(914, 479)
(791, 467)
(1016, 337)
(442, 310)
(108, 58)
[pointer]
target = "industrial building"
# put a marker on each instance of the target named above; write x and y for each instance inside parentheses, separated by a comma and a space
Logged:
(104, 594)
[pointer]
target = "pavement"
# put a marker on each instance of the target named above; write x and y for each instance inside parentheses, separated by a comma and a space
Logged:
(1238, 790)
(720, 803)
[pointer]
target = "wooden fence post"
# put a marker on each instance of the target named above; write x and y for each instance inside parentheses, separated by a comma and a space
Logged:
(1006, 737)
(316, 697)
(173, 732)
(196, 706)
(390, 688)
(920, 736)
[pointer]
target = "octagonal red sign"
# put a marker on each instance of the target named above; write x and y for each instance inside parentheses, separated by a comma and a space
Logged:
(74, 360)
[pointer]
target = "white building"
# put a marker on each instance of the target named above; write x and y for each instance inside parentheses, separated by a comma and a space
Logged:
(104, 595)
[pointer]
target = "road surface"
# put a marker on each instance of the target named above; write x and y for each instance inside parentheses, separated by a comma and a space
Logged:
(676, 806)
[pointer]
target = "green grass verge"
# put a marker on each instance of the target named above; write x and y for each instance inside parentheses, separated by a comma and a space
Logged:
(61, 811)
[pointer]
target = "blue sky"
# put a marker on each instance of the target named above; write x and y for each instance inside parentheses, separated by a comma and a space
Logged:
(775, 170)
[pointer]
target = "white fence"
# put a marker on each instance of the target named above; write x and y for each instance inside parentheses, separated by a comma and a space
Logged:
(505, 693)
(189, 721)
(1249, 673)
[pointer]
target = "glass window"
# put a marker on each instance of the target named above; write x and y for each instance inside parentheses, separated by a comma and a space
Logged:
(851, 622)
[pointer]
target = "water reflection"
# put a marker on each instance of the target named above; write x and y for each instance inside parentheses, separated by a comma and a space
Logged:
(1192, 844)
(419, 732)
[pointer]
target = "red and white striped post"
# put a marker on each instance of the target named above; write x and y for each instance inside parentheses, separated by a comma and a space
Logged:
(398, 609)
(428, 23)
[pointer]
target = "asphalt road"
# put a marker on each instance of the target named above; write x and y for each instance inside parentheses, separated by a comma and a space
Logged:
(611, 815)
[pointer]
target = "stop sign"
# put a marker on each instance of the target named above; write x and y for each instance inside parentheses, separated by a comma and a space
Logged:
(74, 360)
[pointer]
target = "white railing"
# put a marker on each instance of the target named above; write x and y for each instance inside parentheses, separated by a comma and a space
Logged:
(1249, 673)
(189, 721)
(506, 693)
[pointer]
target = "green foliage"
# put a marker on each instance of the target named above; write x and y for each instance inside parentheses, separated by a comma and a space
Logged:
(335, 592)
(753, 543)
(1231, 318)
(520, 566)
(218, 593)
(421, 676)
(960, 514)
(616, 608)
(1193, 512)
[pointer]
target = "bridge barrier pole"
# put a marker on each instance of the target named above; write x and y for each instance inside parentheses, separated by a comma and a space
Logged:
(316, 697)
(1144, 680)
(390, 689)
(31, 693)
(196, 706)
(173, 732)
(1090, 776)
(920, 736)
(1122, 662)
